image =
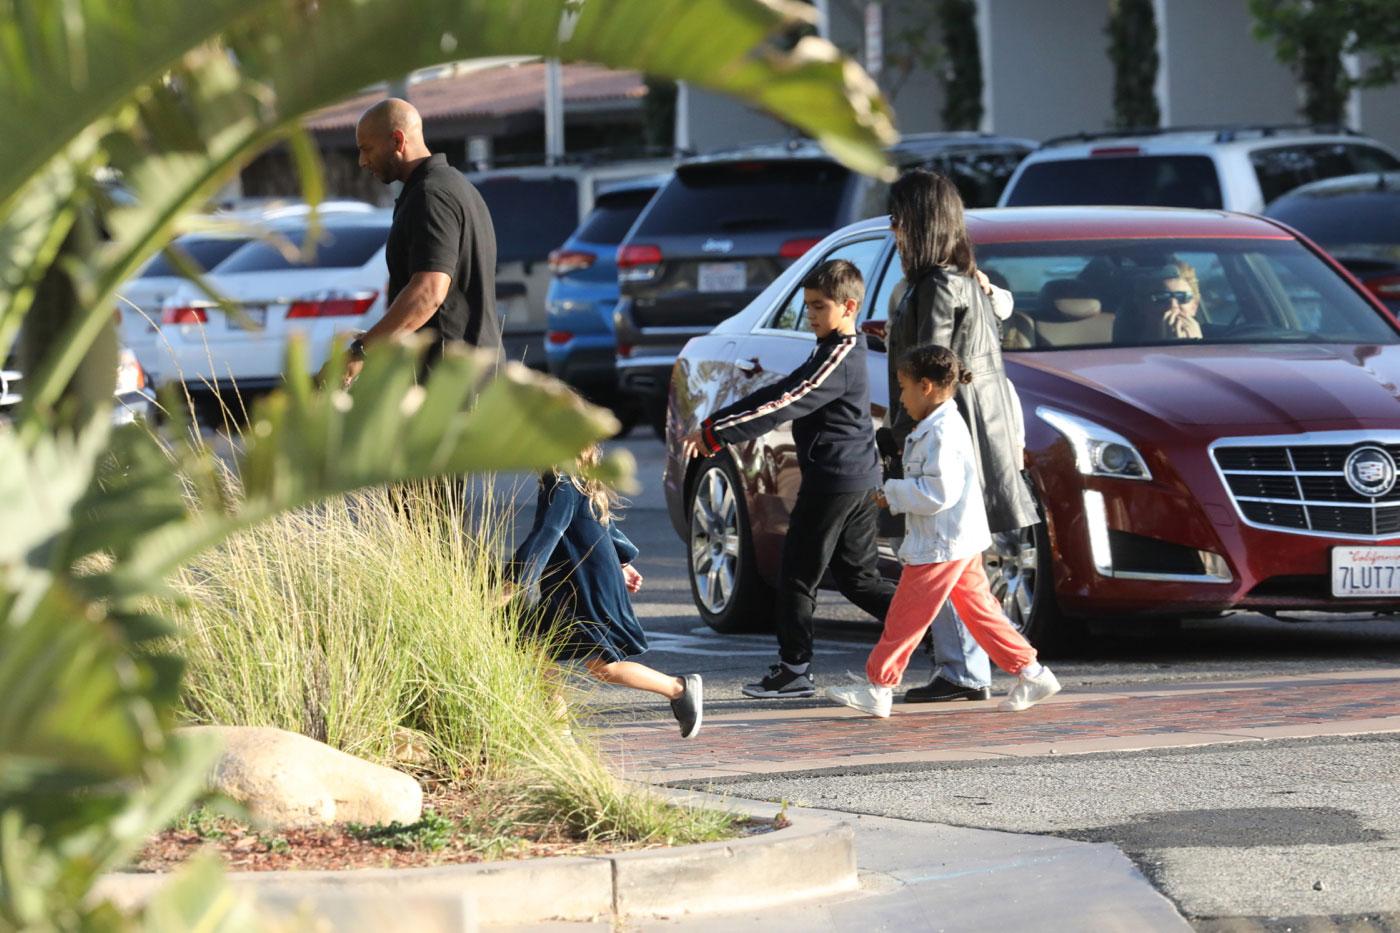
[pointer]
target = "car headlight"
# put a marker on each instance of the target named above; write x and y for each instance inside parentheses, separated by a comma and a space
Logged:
(1098, 451)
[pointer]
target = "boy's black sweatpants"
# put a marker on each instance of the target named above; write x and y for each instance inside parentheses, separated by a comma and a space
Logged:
(836, 530)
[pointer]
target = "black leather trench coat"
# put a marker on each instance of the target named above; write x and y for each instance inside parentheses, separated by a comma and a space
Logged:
(949, 309)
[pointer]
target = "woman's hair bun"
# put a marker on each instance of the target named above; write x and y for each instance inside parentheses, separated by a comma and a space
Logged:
(965, 377)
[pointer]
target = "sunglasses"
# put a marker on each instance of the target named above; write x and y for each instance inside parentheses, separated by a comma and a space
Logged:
(1162, 298)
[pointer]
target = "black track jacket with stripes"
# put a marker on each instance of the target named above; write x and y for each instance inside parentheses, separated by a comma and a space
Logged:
(827, 399)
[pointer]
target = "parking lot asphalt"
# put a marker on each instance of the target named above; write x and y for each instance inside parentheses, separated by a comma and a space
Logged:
(1270, 817)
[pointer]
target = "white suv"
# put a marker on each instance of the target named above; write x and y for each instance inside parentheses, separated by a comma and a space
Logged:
(1237, 168)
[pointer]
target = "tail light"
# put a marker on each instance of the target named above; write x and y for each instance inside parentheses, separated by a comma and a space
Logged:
(558, 337)
(184, 314)
(130, 376)
(792, 249)
(564, 261)
(1115, 151)
(1386, 288)
(624, 350)
(638, 262)
(332, 304)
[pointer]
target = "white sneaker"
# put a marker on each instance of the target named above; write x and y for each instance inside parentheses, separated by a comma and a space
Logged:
(1029, 691)
(867, 697)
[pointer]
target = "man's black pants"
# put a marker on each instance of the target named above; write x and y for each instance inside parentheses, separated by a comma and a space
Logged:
(836, 530)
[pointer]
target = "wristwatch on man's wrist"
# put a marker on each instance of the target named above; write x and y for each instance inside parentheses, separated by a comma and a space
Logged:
(357, 348)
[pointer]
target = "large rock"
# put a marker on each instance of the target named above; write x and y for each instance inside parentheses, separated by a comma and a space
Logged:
(285, 779)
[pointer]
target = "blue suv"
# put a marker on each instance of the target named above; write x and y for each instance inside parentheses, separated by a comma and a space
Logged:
(580, 347)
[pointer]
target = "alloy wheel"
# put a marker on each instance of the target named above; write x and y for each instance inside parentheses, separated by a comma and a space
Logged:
(1011, 571)
(714, 540)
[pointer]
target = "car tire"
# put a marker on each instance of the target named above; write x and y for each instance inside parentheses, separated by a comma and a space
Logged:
(1019, 569)
(724, 580)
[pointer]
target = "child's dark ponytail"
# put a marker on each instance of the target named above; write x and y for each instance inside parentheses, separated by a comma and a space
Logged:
(938, 365)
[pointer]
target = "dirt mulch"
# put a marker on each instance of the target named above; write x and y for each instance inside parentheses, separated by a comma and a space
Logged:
(459, 827)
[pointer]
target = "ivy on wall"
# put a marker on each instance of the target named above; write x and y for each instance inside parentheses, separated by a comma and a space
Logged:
(1132, 47)
(1312, 36)
(962, 65)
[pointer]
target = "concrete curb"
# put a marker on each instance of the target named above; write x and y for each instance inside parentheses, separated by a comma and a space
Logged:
(815, 858)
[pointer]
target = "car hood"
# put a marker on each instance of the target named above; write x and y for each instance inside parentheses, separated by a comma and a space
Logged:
(1273, 387)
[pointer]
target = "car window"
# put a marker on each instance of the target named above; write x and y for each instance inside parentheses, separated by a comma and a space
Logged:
(1162, 181)
(740, 197)
(1354, 224)
(206, 252)
(791, 314)
(339, 247)
(1126, 292)
(612, 216)
(889, 290)
(1370, 159)
(978, 176)
(532, 216)
(1283, 168)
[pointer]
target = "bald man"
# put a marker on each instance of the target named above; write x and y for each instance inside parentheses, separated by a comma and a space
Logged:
(442, 246)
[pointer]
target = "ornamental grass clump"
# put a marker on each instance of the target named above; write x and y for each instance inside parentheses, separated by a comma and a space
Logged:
(378, 623)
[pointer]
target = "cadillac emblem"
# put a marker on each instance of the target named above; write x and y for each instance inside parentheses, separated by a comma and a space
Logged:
(1370, 471)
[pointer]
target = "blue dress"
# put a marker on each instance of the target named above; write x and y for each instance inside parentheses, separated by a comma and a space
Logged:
(575, 561)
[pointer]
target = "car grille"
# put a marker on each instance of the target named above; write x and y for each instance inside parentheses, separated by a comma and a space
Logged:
(1302, 487)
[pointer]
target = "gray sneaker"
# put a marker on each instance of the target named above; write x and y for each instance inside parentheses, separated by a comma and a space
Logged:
(781, 682)
(689, 707)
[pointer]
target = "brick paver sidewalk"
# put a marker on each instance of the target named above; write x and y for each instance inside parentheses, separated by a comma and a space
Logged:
(1080, 720)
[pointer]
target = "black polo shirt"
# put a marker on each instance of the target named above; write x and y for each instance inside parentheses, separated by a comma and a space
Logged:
(441, 224)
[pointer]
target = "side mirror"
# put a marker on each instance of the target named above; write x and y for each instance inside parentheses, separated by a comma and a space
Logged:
(874, 332)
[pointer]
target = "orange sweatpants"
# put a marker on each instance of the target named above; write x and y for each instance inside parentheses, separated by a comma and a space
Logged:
(922, 591)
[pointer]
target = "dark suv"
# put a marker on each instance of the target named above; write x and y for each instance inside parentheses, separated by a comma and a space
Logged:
(727, 224)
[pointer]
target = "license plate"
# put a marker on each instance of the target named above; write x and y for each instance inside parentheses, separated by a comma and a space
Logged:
(253, 317)
(723, 277)
(1361, 572)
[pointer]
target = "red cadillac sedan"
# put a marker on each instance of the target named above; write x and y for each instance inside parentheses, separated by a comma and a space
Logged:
(1246, 459)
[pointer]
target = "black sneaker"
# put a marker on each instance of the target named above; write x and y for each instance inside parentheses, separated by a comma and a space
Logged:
(689, 707)
(781, 682)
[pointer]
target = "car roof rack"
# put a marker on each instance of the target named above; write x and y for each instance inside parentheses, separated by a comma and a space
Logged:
(583, 159)
(1224, 133)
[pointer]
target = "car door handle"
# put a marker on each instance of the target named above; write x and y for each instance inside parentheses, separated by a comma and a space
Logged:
(749, 367)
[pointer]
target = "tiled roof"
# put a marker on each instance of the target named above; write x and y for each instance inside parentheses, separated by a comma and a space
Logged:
(495, 92)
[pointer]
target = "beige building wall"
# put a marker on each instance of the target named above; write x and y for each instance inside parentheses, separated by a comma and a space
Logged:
(1216, 71)
(1049, 72)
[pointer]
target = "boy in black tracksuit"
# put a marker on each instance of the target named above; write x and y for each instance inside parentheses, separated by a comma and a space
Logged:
(834, 521)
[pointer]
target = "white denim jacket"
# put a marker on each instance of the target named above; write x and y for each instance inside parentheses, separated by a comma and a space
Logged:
(940, 493)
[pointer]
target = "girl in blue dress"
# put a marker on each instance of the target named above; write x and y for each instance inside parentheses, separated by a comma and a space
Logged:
(578, 565)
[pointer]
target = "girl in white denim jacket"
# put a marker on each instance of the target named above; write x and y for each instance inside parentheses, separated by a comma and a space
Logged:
(945, 534)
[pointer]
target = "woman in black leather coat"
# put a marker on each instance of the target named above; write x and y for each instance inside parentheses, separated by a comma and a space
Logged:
(945, 304)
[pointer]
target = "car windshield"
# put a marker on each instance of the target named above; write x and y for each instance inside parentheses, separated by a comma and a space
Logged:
(1102, 293)
(1160, 181)
(746, 197)
(205, 252)
(341, 246)
(532, 216)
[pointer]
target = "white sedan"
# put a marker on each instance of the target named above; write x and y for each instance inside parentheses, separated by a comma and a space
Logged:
(330, 290)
